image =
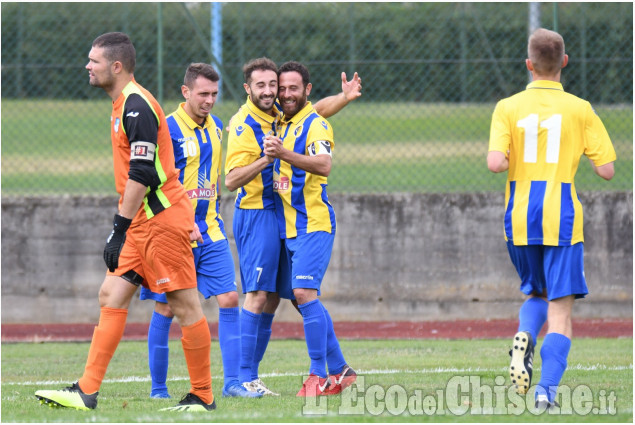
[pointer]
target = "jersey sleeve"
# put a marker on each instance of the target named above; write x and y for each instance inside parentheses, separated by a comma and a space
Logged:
(139, 120)
(597, 143)
(500, 135)
(141, 126)
(319, 135)
(242, 147)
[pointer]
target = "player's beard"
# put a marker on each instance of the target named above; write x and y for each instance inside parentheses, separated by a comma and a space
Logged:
(265, 104)
(291, 110)
(105, 82)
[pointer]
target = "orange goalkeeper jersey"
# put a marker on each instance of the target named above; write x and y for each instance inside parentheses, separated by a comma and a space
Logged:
(138, 118)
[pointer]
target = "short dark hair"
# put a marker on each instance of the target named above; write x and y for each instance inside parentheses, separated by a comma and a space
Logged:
(260, 64)
(118, 47)
(293, 66)
(199, 69)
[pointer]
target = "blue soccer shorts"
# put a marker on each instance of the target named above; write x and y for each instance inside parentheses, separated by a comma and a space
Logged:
(259, 248)
(215, 272)
(558, 269)
(309, 257)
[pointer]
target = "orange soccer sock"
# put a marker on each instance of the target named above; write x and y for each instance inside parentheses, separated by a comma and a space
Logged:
(197, 343)
(106, 337)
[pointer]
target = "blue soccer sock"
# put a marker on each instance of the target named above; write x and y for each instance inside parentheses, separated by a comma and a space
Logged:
(532, 316)
(159, 352)
(248, 336)
(229, 341)
(334, 357)
(264, 335)
(554, 353)
(315, 335)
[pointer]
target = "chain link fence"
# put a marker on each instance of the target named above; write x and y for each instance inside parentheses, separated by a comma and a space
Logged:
(432, 73)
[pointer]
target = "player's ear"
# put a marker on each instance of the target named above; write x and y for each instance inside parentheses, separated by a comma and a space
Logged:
(565, 60)
(247, 88)
(185, 91)
(117, 67)
(530, 66)
(308, 89)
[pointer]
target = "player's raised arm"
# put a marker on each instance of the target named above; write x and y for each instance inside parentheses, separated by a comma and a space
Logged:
(331, 105)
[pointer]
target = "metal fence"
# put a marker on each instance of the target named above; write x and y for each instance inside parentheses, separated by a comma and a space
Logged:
(432, 73)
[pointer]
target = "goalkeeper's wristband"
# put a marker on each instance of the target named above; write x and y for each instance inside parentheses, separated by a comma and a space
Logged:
(121, 223)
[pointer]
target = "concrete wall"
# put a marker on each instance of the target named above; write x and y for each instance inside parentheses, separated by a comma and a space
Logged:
(396, 257)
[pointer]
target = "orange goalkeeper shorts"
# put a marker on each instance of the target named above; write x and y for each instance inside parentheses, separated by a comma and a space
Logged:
(159, 250)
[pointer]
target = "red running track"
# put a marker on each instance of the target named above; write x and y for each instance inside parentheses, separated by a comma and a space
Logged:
(457, 329)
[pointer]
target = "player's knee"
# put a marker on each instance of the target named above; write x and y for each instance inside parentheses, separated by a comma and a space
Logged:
(228, 300)
(163, 309)
(303, 295)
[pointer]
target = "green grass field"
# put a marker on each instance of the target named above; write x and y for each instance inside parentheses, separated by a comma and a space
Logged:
(399, 381)
(380, 147)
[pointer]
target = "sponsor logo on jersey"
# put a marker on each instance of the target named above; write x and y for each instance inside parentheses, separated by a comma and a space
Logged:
(219, 133)
(239, 130)
(297, 131)
(116, 127)
(202, 192)
(304, 277)
(132, 114)
(281, 185)
(325, 125)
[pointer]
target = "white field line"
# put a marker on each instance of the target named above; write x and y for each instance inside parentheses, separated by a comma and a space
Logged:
(578, 366)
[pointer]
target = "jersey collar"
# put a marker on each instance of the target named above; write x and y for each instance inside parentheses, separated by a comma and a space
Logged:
(189, 121)
(545, 84)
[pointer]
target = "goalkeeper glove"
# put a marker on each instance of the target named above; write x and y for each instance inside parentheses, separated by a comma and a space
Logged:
(115, 241)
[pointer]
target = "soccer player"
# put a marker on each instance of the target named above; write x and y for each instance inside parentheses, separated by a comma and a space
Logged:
(538, 136)
(255, 226)
(303, 148)
(196, 139)
(150, 242)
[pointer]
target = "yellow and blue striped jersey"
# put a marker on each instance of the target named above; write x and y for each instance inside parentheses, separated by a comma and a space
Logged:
(198, 156)
(546, 131)
(302, 205)
(244, 146)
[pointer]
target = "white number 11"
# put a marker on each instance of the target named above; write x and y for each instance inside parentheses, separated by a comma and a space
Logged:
(553, 125)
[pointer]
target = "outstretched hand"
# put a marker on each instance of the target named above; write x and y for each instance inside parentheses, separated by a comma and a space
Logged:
(351, 89)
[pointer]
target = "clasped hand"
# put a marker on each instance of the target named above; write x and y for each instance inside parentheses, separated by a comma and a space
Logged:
(272, 146)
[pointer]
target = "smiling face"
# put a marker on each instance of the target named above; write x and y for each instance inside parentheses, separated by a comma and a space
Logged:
(262, 89)
(292, 93)
(100, 73)
(200, 98)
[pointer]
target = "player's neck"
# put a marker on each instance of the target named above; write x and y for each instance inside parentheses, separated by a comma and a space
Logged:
(116, 89)
(536, 77)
